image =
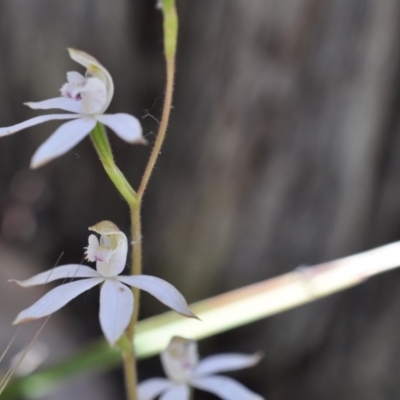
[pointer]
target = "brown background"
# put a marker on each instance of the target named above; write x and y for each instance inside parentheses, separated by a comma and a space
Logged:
(283, 150)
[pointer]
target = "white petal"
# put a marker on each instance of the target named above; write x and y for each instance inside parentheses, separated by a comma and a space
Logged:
(181, 392)
(34, 121)
(94, 68)
(225, 362)
(94, 96)
(75, 77)
(161, 290)
(179, 359)
(63, 139)
(151, 388)
(116, 308)
(64, 271)
(126, 126)
(225, 388)
(92, 248)
(56, 299)
(62, 103)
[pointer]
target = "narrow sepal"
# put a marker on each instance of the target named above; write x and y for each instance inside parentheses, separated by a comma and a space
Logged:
(116, 308)
(161, 290)
(225, 362)
(151, 388)
(62, 103)
(225, 388)
(181, 392)
(34, 121)
(69, 271)
(62, 140)
(126, 126)
(55, 299)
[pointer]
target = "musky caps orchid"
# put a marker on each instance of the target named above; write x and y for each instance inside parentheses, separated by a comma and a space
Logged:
(116, 299)
(181, 365)
(87, 97)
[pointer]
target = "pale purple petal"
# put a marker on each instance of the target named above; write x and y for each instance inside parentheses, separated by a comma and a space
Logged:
(62, 140)
(63, 272)
(225, 388)
(62, 103)
(151, 388)
(56, 299)
(225, 362)
(126, 126)
(180, 392)
(34, 121)
(116, 309)
(161, 290)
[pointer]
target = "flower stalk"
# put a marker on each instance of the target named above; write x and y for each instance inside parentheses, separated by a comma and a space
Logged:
(103, 149)
(129, 363)
(170, 44)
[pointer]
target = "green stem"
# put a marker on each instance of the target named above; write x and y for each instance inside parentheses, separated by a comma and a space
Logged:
(170, 39)
(102, 146)
(170, 42)
(129, 363)
(136, 264)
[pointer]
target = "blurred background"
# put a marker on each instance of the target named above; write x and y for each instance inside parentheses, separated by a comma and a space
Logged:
(283, 150)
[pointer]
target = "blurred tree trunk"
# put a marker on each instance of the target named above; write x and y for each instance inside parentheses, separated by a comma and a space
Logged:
(283, 150)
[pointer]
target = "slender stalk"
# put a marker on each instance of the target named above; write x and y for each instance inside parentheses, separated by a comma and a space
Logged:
(162, 130)
(129, 363)
(136, 264)
(170, 41)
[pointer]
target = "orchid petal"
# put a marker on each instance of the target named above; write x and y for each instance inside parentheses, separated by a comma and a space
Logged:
(225, 362)
(55, 299)
(63, 272)
(126, 126)
(179, 359)
(111, 251)
(225, 388)
(34, 121)
(75, 77)
(180, 392)
(94, 96)
(62, 140)
(161, 290)
(95, 69)
(116, 309)
(151, 388)
(62, 103)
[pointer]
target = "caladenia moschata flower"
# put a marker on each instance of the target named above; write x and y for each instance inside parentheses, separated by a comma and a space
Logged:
(181, 365)
(87, 98)
(116, 299)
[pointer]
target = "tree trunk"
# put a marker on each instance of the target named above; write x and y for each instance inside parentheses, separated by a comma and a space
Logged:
(283, 150)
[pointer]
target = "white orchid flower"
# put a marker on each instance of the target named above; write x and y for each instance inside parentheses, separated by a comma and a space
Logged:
(181, 365)
(116, 299)
(87, 97)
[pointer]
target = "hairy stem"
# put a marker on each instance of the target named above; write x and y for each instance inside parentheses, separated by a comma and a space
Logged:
(170, 41)
(129, 363)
